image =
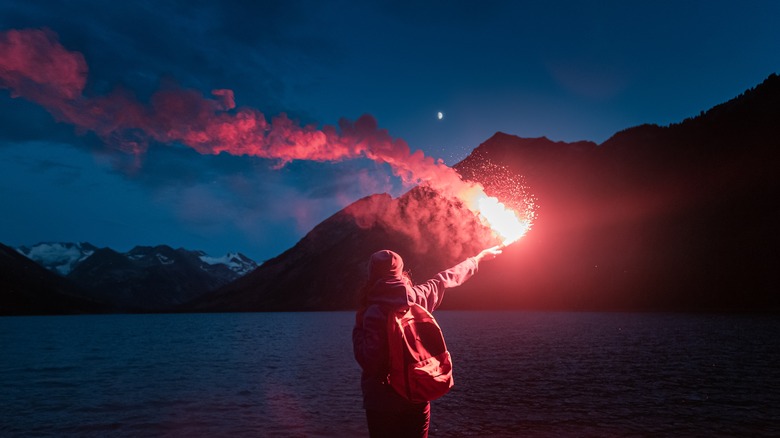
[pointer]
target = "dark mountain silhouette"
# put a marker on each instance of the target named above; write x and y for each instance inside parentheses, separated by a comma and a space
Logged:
(58, 257)
(681, 217)
(151, 278)
(29, 289)
(145, 279)
(326, 268)
(656, 218)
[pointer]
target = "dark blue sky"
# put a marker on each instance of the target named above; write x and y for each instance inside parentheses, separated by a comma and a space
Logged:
(567, 70)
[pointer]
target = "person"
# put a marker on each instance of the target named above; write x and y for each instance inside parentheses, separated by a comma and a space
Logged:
(388, 288)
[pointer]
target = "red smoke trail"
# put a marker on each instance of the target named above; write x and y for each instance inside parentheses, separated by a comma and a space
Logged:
(35, 66)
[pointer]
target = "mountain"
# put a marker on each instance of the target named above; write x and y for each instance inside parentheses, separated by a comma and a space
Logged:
(58, 257)
(29, 289)
(143, 279)
(325, 269)
(62, 258)
(236, 263)
(680, 217)
(154, 278)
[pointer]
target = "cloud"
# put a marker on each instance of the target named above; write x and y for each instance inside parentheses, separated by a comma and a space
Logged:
(213, 196)
(35, 66)
(55, 78)
(255, 48)
(264, 214)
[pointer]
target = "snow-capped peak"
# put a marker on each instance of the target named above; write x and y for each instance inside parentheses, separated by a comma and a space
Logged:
(58, 257)
(236, 262)
(63, 258)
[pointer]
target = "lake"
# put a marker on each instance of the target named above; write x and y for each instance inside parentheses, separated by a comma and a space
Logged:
(536, 374)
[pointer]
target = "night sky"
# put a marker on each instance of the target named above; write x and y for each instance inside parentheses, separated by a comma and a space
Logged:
(567, 70)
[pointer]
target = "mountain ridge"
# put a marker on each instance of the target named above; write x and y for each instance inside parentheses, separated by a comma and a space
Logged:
(144, 279)
(30, 289)
(656, 218)
(646, 220)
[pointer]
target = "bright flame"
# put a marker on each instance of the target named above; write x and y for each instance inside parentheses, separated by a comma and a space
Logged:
(502, 220)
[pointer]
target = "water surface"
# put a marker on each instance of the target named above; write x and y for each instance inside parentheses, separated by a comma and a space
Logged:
(292, 374)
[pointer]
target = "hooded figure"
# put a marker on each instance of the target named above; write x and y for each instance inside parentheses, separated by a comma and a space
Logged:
(387, 289)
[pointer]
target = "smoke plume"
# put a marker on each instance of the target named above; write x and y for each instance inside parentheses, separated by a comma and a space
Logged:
(36, 67)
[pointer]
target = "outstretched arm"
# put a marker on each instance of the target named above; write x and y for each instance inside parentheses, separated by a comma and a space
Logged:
(431, 293)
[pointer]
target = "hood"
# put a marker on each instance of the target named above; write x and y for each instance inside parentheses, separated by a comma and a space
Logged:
(385, 273)
(385, 264)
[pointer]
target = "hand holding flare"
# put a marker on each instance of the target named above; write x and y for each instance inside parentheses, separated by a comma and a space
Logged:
(489, 253)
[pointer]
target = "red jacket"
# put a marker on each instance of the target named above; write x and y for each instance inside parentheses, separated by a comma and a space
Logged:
(388, 289)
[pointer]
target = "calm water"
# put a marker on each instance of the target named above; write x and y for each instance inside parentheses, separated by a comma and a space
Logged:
(292, 374)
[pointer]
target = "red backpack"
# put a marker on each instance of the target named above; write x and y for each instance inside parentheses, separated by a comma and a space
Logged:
(420, 365)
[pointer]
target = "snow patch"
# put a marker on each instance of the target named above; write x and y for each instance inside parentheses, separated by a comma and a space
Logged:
(235, 262)
(61, 258)
(164, 260)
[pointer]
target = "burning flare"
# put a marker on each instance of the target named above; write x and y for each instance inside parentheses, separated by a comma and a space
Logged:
(502, 220)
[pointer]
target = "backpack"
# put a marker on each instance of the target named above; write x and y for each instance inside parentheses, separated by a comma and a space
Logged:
(420, 365)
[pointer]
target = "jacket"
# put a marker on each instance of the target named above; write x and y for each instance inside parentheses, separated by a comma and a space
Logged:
(388, 290)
